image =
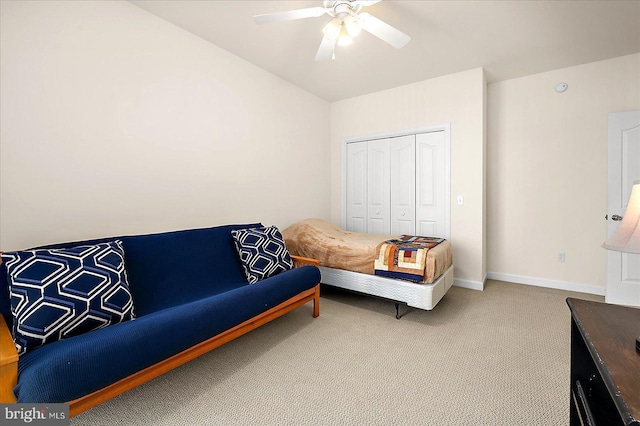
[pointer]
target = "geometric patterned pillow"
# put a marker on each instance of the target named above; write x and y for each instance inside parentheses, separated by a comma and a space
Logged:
(60, 293)
(262, 252)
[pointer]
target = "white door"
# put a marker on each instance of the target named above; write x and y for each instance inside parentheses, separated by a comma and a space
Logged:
(378, 192)
(623, 269)
(403, 185)
(356, 179)
(432, 185)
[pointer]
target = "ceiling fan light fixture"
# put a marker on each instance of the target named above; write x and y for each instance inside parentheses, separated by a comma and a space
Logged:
(346, 22)
(344, 39)
(333, 29)
(353, 26)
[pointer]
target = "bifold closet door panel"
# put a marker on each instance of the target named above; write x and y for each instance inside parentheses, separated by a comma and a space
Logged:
(431, 185)
(403, 185)
(356, 187)
(378, 190)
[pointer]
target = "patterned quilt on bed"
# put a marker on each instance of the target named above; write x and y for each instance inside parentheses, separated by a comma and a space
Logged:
(404, 257)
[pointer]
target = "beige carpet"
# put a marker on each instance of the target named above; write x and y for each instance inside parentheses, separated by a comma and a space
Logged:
(498, 357)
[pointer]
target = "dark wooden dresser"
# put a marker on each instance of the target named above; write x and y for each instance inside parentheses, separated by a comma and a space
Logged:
(605, 365)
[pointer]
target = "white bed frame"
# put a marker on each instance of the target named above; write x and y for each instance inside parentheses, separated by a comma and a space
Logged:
(417, 295)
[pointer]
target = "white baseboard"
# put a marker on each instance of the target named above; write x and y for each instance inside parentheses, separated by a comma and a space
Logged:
(473, 285)
(543, 282)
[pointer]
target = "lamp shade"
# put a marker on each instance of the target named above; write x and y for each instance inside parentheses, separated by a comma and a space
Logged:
(627, 237)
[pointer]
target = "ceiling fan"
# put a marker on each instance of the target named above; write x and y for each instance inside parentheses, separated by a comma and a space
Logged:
(346, 22)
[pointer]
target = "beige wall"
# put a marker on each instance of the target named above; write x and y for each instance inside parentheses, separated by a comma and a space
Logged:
(115, 121)
(456, 99)
(547, 171)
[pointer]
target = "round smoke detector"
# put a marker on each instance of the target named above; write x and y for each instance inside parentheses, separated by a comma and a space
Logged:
(562, 87)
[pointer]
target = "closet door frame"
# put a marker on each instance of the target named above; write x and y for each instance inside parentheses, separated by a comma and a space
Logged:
(446, 128)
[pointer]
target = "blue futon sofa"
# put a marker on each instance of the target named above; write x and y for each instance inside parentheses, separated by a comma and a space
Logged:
(190, 294)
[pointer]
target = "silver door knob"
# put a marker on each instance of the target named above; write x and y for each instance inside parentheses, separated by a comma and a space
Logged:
(403, 213)
(377, 212)
(616, 217)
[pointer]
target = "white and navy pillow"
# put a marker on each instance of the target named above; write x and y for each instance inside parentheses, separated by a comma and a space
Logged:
(60, 293)
(262, 252)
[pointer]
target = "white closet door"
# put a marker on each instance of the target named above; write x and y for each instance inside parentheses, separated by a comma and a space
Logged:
(431, 185)
(356, 179)
(378, 191)
(403, 185)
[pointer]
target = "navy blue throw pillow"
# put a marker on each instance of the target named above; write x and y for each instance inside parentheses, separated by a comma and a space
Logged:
(60, 293)
(262, 252)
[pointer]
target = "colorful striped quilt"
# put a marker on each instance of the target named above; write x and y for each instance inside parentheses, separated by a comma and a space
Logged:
(404, 257)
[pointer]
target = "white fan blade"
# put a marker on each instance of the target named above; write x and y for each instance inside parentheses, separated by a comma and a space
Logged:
(311, 12)
(383, 31)
(325, 51)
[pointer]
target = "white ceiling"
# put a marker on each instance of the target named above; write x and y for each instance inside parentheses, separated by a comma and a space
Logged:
(508, 38)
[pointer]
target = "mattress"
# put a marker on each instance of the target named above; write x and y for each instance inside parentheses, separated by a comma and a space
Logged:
(353, 251)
